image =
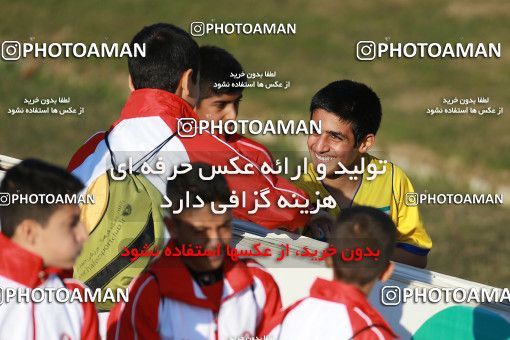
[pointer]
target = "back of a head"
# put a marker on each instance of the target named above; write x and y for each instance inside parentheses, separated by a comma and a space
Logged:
(216, 66)
(362, 227)
(30, 177)
(214, 190)
(352, 102)
(170, 51)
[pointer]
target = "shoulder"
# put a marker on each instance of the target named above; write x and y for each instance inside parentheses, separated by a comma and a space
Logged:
(144, 295)
(252, 148)
(274, 324)
(85, 150)
(259, 271)
(237, 138)
(375, 332)
(367, 323)
(399, 174)
(392, 169)
(74, 284)
(389, 173)
(144, 279)
(309, 183)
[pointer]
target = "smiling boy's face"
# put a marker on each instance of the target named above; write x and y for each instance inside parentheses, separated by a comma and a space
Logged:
(336, 143)
(219, 107)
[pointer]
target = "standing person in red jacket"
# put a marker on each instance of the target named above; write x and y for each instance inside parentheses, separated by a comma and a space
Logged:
(220, 103)
(339, 309)
(39, 244)
(197, 297)
(164, 87)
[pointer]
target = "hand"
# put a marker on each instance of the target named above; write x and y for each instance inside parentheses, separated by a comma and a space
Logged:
(319, 226)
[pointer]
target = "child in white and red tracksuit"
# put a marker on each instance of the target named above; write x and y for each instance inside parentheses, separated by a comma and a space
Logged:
(197, 297)
(38, 246)
(339, 309)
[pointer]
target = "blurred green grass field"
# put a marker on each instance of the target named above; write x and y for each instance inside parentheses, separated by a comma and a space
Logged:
(469, 241)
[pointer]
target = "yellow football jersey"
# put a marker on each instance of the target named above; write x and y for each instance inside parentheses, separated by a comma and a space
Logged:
(385, 192)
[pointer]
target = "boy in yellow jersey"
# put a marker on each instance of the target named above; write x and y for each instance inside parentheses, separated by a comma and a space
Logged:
(350, 115)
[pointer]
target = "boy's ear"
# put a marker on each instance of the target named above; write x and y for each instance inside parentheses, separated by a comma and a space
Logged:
(367, 143)
(130, 83)
(26, 233)
(187, 89)
(329, 262)
(386, 274)
(170, 226)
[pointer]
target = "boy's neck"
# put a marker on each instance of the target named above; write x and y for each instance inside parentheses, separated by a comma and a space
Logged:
(342, 183)
(25, 245)
(365, 289)
(207, 278)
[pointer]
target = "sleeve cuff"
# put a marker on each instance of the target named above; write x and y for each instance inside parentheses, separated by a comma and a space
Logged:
(413, 249)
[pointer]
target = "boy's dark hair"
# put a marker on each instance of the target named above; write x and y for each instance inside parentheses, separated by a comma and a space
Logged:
(170, 51)
(215, 189)
(352, 102)
(33, 176)
(216, 65)
(361, 227)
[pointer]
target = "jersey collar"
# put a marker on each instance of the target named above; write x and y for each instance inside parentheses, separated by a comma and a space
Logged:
(175, 280)
(23, 266)
(349, 295)
(155, 102)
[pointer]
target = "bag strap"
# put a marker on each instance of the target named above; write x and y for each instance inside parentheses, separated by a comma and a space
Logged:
(144, 158)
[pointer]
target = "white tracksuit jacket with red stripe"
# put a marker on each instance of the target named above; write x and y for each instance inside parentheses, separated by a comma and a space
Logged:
(22, 269)
(334, 310)
(166, 303)
(148, 118)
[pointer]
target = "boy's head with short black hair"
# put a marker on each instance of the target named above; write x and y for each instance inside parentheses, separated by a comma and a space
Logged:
(362, 227)
(200, 226)
(171, 62)
(350, 114)
(217, 67)
(352, 102)
(54, 232)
